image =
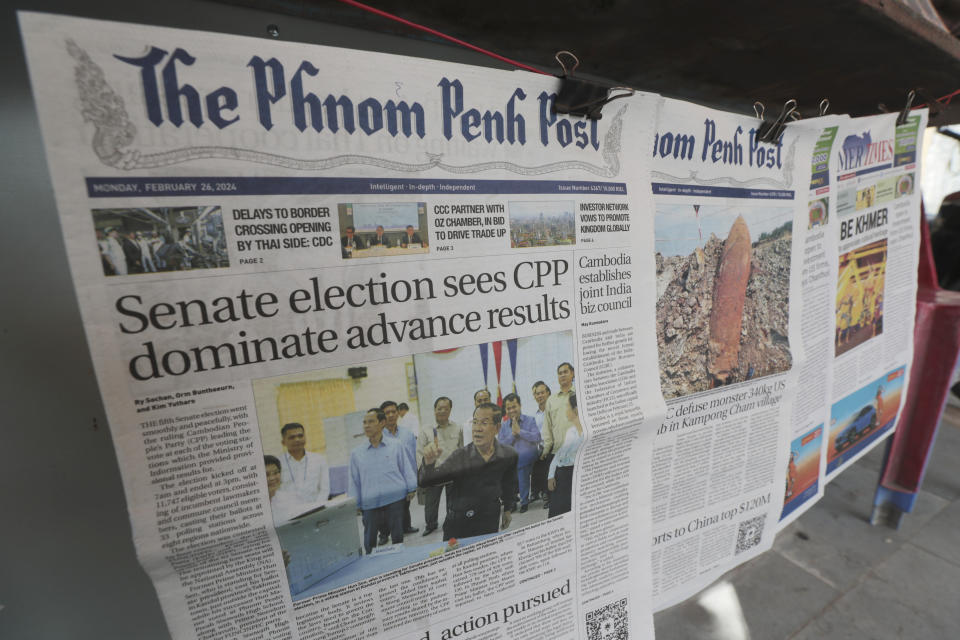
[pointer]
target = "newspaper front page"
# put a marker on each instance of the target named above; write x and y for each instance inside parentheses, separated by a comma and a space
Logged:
(815, 243)
(877, 249)
(373, 333)
(727, 207)
(849, 387)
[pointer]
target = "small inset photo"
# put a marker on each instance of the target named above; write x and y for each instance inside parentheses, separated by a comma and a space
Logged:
(863, 416)
(866, 197)
(803, 470)
(374, 229)
(819, 213)
(542, 224)
(860, 295)
(150, 240)
(904, 185)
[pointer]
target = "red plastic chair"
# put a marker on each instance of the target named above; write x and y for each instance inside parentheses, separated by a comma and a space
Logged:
(936, 345)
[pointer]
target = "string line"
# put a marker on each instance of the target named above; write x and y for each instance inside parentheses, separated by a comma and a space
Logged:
(434, 32)
(943, 101)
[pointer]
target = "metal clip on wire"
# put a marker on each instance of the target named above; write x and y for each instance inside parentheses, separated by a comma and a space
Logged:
(902, 118)
(771, 131)
(579, 97)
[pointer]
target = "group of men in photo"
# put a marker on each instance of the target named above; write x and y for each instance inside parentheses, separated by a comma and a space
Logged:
(124, 252)
(490, 467)
(351, 240)
(494, 465)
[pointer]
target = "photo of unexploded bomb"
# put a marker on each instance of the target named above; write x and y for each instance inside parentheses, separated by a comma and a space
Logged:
(723, 294)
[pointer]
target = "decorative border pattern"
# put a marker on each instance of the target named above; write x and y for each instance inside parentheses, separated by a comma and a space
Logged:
(691, 177)
(114, 135)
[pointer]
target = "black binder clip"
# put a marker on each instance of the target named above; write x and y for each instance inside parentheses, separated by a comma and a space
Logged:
(902, 118)
(579, 97)
(771, 131)
(824, 107)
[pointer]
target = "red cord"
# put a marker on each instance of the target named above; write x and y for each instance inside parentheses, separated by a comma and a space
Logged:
(945, 100)
(359, 5)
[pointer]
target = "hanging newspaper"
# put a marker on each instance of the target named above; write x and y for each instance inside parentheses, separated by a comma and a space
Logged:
(728, 285)
(874, 304)
(340, 305)
(816, 246)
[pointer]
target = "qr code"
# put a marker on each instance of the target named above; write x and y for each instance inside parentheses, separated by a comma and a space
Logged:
(750, 533)
(609, 622)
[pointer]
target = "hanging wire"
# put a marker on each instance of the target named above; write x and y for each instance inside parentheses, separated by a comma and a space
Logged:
(434, 32)
(943, 100)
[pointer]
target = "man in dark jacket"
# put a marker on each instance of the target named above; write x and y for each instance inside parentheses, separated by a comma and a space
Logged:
(410, 237)
(480, 478)
(349, 242)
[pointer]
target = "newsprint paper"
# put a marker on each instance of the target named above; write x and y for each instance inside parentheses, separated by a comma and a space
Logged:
(860, 249)
(876, 236)
(727, 208)
(804, 478)
(310, 278)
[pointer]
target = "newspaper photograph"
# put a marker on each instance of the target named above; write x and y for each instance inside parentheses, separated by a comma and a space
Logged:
(874, 303)
(373, 336)
(727, 208)
(295, 410)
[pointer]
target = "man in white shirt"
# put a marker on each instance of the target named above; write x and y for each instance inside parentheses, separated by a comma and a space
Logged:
(284, 504)
(538, 480)
(304, 472)
(555, 421)
(446, 436)
(407, 419)
(114, 251)
(541, 393)
(146, 253)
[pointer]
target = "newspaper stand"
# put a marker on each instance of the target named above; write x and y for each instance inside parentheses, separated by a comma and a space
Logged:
(937, 343)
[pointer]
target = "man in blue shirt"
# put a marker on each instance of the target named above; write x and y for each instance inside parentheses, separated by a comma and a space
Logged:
(521, 433)
(382, 480)
(408, 441)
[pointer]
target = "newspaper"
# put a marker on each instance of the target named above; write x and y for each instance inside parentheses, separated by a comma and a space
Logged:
(849, 386)
(313, 282)
(816, 246)
(728, 301)
(877, 251)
